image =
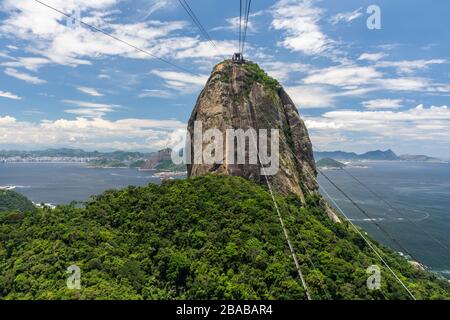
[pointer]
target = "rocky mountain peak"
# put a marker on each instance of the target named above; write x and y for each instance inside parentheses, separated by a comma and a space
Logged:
(243, 96)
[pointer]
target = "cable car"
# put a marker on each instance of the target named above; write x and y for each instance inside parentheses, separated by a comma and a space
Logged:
(238, 58)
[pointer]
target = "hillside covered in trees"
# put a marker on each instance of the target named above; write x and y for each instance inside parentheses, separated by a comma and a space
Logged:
(13, 201)
(212, 237)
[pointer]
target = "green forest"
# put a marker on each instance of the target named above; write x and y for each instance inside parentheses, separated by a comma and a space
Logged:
(14, 201)
(212, 237)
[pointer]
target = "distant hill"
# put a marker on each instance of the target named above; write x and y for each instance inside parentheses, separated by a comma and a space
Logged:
(376, 155)
(340, 155)
(74, 153)
(419, 158)
(329, 163)
(351, 156)
(380, 155)
(162, 160)
(13, 201)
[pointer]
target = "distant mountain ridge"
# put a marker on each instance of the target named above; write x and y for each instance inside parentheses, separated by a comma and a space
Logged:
(131, 157)
(73, 153)
(375, 155)
(419, 158)
(159, 160)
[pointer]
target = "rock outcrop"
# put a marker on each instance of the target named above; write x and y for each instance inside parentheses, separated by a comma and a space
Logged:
(242, 96)
(157, 158)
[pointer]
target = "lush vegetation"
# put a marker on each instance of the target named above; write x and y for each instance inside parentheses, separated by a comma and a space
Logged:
(209, 237)
(12, 201)
(105, 163)
(329, 163)
(256, 74)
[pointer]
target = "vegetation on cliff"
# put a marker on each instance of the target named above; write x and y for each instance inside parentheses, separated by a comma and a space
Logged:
(256, 74)
(201, 238)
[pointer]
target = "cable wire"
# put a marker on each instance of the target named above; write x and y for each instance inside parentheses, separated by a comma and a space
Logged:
(240, 24)
(390, 206)
(199, 25)
(396, 210)
(286, 235)
(117, 39)
(246, 25)
(351, 223)
(367, 215)
(367, 242)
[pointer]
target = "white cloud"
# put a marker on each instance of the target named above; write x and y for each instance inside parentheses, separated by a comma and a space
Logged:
(29, 63)
(103, 76)
(189, 48)
(442, 88)
(9, 95)
(355, 78)
(346, 16)
(343, 76)
(419, 128)
(322, 96)
(5, 56)
(419, 123)
(282, 70)
(90, 91)
(49, 37)
(409, 66)
(299, 20)
(383, 104)
(90, 109)
(96, 133)
(310, 96)
(157, 5)
(233, 25)
(372, 56)
(404, 84)
(389, 46)
(23, 76)
(182, 82)
(155, 93)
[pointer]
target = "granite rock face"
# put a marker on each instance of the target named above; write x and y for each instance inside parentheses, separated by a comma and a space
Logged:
(157, 158)
(242, 96)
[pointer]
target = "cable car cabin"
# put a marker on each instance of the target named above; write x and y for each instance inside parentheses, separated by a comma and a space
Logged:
(238, 58)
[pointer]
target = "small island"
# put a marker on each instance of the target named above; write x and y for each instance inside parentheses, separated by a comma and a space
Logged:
(328, 163)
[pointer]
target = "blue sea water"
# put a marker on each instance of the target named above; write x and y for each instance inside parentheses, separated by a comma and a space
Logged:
(420, 192)
(420, 196)
(59, 183)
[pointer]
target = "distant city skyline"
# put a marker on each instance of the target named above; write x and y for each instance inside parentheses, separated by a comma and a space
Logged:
(63, 85)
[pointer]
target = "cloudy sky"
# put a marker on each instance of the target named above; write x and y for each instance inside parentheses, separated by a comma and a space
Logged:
(357, 89)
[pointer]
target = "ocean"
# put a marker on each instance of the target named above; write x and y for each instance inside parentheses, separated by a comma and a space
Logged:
(418, 217)
(61, 183)
(419, 192)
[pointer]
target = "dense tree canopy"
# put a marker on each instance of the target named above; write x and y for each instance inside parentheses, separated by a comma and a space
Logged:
(210, 237)
(13, 201)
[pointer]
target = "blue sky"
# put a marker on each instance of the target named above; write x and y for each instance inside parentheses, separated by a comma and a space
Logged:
(357, 89)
